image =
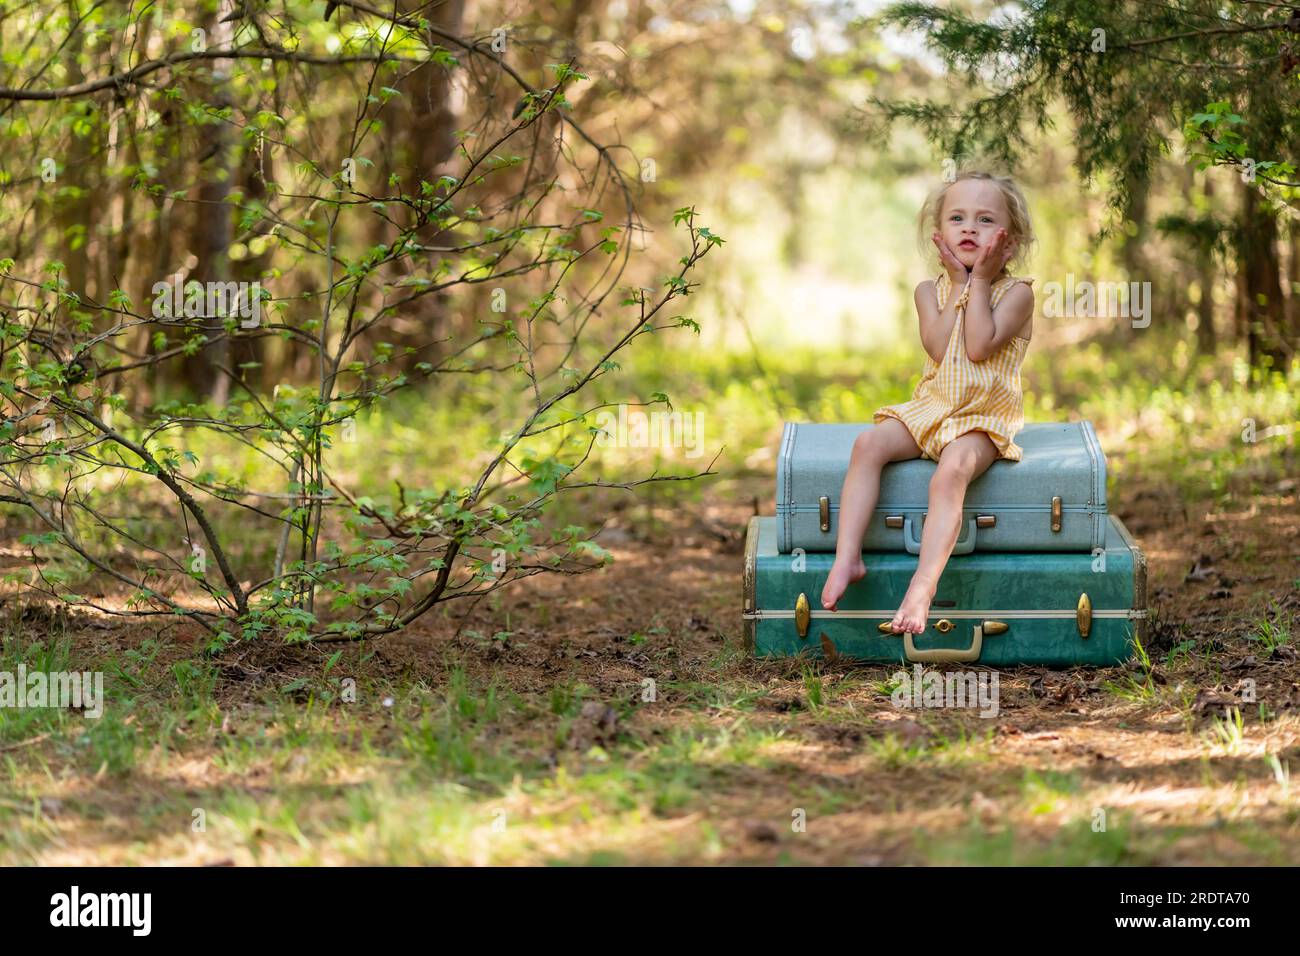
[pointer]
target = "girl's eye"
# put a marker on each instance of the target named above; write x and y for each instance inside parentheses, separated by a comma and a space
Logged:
(986, 218)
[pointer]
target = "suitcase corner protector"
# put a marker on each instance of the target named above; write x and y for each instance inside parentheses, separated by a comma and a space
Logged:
(748, 621)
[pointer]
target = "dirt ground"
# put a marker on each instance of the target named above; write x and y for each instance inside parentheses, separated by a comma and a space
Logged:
(1120, 765)
(1211, 575)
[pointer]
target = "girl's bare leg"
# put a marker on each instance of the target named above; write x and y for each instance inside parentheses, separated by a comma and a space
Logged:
(962, 461)
(872, 450)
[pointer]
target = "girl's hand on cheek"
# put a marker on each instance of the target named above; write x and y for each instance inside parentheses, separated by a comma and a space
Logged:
(993, 257)
(955, 268)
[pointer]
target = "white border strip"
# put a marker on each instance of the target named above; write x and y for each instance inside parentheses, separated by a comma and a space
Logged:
(889, 615)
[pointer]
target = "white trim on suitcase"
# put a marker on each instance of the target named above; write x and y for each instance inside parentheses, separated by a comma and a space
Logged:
(1135, 614)
(784, 456)
(923, 506)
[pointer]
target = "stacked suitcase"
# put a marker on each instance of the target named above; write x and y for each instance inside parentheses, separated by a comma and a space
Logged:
(1041, 573)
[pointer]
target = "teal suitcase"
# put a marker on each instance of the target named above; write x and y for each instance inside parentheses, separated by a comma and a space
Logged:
(993, 608)
(1053, 499)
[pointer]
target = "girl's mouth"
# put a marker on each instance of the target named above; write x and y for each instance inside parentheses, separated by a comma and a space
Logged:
(967, 244)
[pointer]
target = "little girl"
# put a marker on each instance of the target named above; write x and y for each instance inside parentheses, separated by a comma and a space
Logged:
(975, 321)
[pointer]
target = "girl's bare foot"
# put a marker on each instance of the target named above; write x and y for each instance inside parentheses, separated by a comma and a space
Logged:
(914, 612)
(843, 573)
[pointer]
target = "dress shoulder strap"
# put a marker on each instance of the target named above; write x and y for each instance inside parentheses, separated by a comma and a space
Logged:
(943, 288)
(941, 284)
(1005, 284)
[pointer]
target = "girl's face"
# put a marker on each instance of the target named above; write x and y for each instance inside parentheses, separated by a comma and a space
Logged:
(973, 212)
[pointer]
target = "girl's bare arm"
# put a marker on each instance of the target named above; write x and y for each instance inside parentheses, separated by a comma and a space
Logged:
(936, 326)
(988, 329)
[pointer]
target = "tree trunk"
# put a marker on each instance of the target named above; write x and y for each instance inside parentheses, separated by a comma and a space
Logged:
(1133, 252)
(419, 141)
(1292, 309)
(80, 168)
(213, 233)
(1206, 340)
(1261, 302)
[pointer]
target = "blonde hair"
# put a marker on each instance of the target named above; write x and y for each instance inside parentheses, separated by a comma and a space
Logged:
(1020, 226)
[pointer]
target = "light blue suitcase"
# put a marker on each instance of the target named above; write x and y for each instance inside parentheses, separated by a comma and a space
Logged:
(1053, 499)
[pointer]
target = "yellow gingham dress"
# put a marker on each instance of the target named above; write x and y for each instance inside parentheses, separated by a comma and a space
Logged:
(957, 395)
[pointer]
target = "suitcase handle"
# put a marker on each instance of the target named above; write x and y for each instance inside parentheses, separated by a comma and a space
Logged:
(952, 654)
(965, 543)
